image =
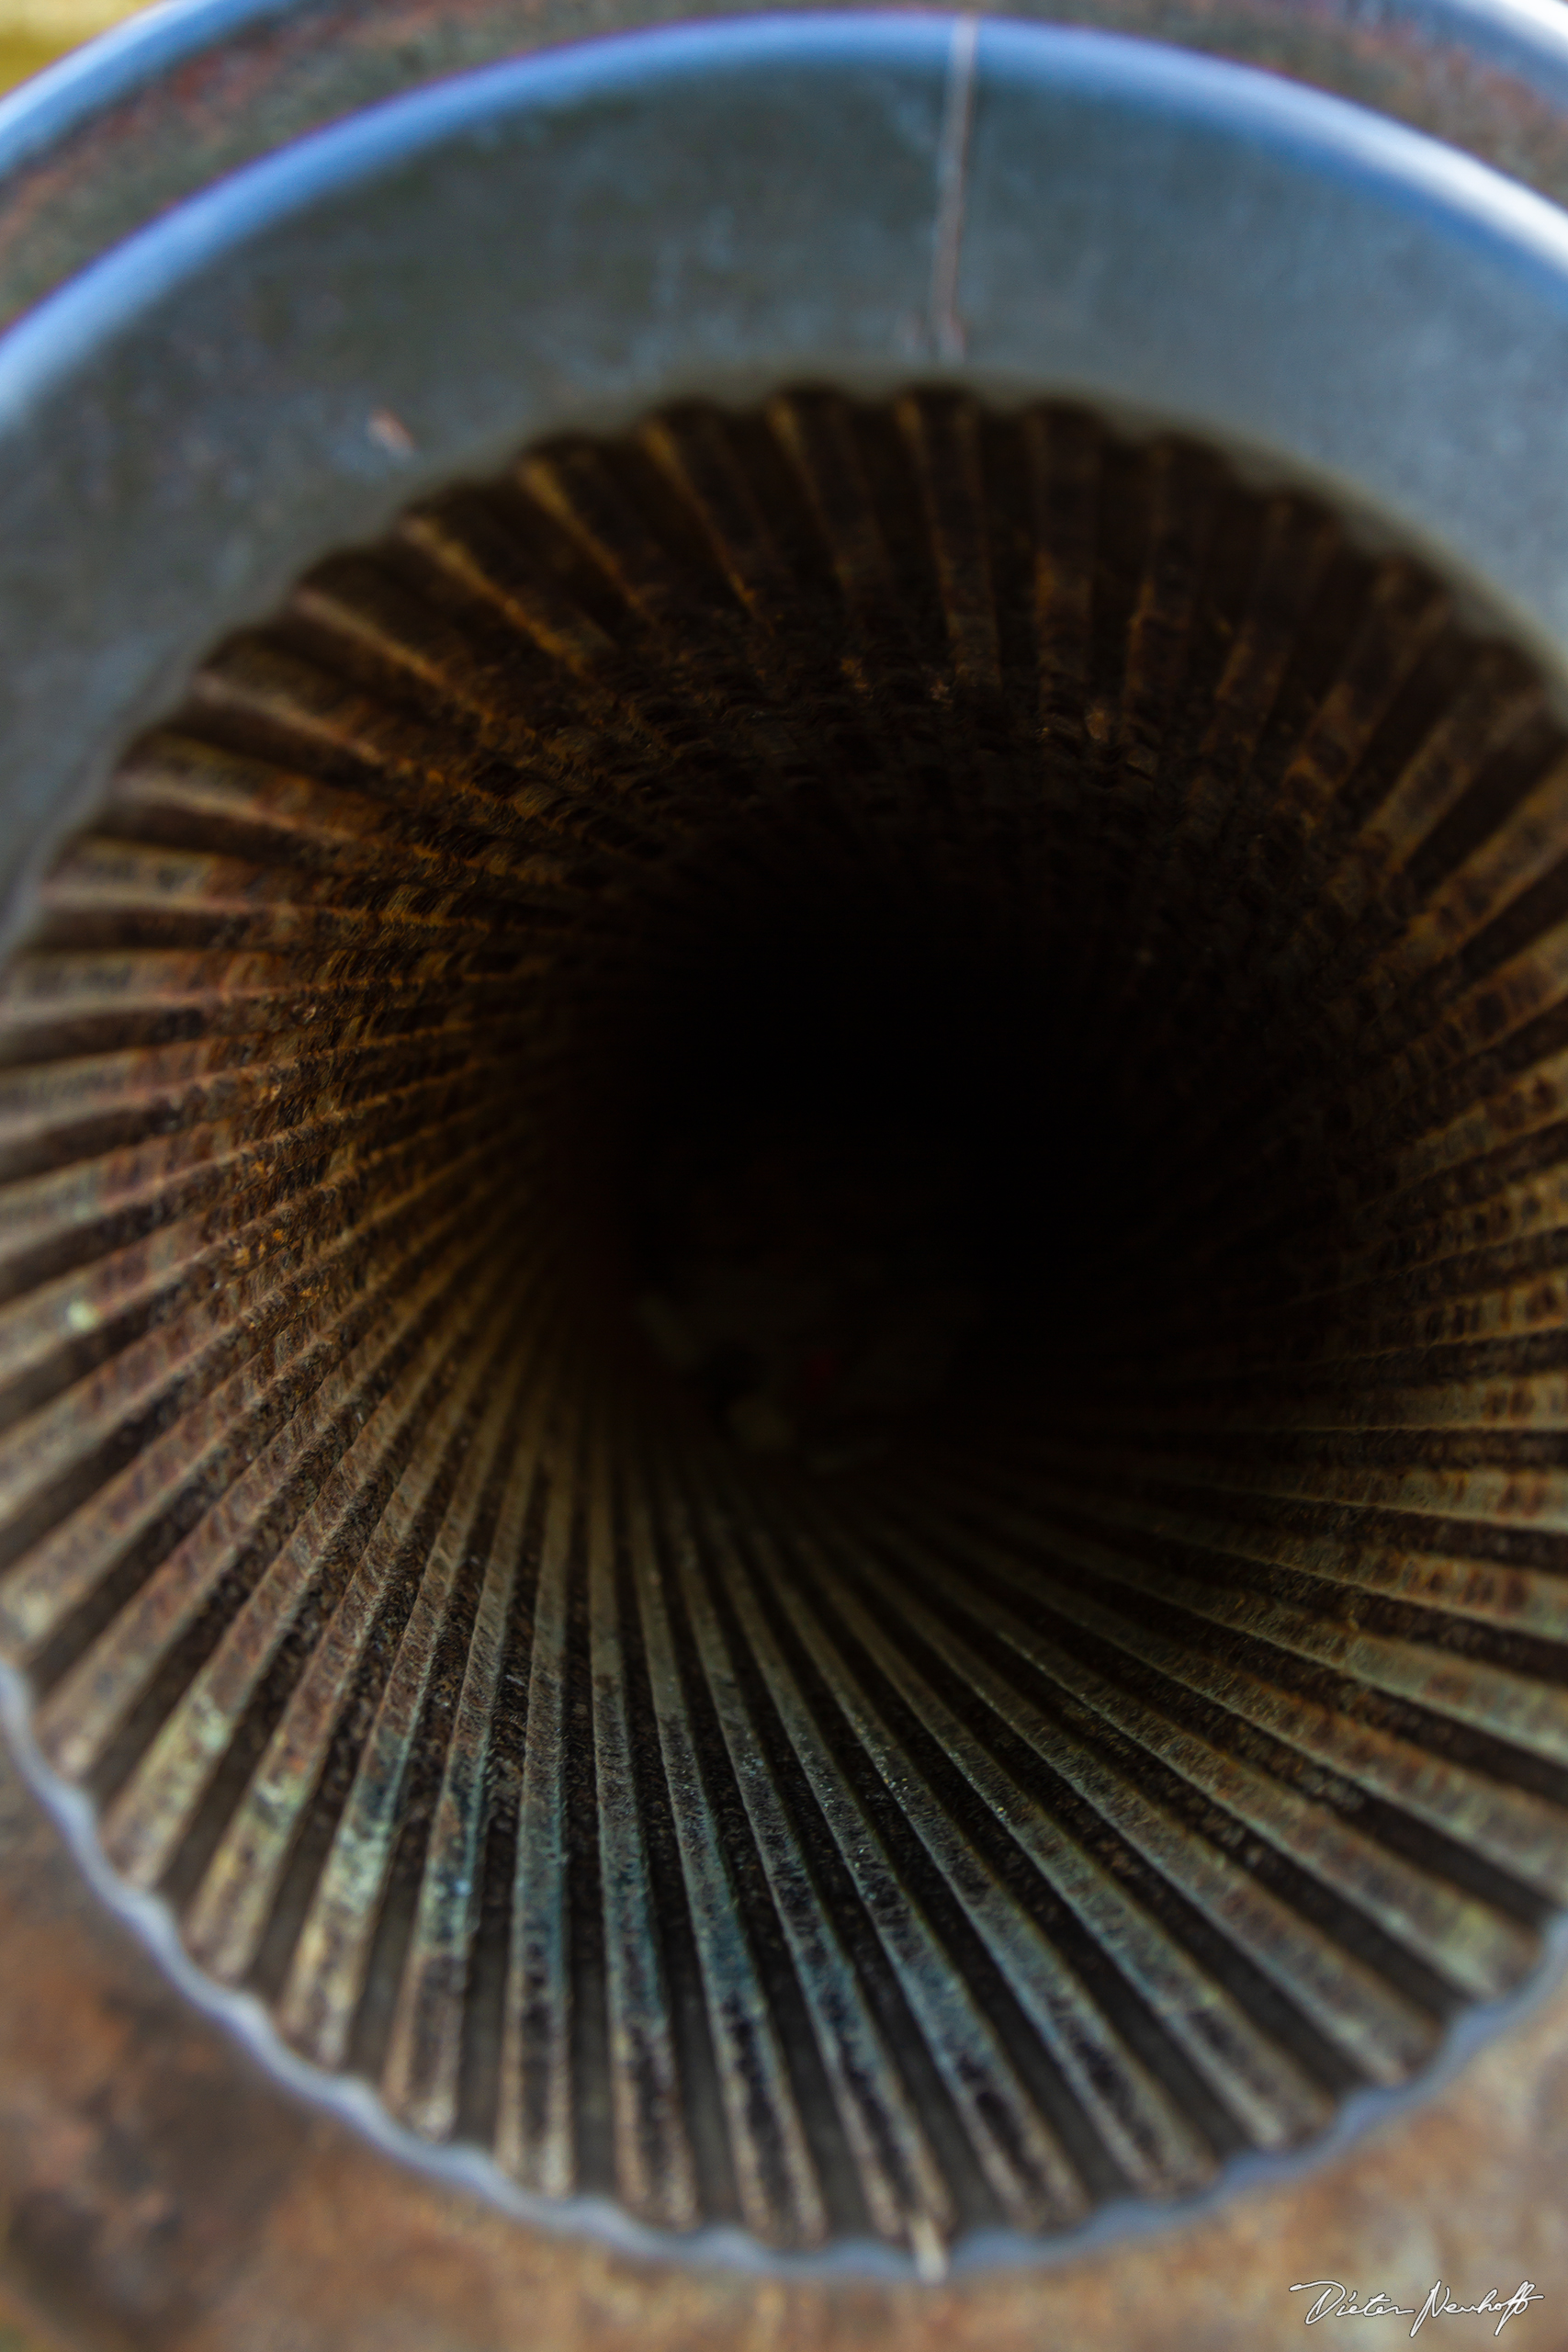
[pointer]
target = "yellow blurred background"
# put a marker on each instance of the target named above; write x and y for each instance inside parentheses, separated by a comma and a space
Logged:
(34, 32)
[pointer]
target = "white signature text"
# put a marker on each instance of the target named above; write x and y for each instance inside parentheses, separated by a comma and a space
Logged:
(1338, 2301)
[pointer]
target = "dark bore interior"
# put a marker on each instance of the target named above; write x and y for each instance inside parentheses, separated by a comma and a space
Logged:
(782, 1392)
(865, 1175)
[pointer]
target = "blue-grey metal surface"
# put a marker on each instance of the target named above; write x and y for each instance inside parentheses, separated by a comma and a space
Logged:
(864, 201)
(569, 240)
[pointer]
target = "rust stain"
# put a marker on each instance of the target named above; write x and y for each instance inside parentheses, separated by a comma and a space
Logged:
(782, 1402)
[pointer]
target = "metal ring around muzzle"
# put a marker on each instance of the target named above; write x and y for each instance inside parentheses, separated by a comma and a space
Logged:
(963, 273)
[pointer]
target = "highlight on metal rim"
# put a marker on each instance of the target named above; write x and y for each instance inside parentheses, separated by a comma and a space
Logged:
(784, 1369)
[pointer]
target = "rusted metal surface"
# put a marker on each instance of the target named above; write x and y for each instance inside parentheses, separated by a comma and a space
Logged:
(952, 1745)
(161, 2194)
(156, 132)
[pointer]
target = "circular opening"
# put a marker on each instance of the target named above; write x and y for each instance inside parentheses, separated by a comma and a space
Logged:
(784, 1385)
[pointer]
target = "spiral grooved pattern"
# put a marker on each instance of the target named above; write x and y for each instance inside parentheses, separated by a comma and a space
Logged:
(833, 1799)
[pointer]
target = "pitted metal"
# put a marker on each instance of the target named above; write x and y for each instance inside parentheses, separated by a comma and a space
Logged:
(945, 1757)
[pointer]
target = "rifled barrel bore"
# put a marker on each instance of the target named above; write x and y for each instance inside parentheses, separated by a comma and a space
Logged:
(784, 1364)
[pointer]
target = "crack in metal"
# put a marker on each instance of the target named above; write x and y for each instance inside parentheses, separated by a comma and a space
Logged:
(952, 178)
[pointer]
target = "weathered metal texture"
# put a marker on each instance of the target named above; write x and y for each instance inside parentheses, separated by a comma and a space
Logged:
(1025, 1806)
(157, 111)
(919, 1806)
(164, 2195)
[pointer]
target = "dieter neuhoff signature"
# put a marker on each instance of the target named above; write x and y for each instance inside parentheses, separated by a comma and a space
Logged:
(1335, 2300)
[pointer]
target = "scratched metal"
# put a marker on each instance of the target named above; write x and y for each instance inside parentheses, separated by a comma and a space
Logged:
(835, 1800)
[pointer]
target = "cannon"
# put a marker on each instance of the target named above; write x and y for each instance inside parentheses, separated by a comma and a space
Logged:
(782, 1496)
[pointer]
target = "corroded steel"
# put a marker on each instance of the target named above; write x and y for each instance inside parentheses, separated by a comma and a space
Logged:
(783, 1363)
